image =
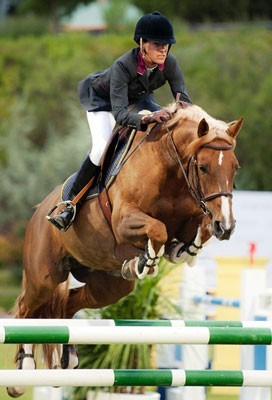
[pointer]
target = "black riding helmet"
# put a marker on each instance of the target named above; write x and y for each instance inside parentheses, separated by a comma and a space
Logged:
(156, 27)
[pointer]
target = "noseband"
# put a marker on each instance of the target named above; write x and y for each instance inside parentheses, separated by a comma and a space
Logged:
(192, 177)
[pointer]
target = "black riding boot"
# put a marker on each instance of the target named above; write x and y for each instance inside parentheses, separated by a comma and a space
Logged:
(86, 172)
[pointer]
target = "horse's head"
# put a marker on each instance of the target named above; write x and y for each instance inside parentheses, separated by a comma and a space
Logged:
(211, 165)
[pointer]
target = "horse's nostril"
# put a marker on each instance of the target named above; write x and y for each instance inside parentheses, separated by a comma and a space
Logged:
(219, 230)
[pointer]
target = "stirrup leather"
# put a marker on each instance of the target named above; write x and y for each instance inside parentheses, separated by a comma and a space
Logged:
(69, 205)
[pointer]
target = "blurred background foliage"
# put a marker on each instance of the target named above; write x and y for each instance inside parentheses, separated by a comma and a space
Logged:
(223, 47)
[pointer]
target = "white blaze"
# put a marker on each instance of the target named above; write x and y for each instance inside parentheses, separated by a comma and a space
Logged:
(225, 207)
(225, 201)
(220, 158)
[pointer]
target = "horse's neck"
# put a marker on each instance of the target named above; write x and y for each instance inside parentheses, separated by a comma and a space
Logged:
(174, 145)
(168, 163)
(157, 159)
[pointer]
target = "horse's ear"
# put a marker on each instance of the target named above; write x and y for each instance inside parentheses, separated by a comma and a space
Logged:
(203, 128)
(234, 127)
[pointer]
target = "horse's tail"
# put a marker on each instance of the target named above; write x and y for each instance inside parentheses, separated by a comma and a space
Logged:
(56, 310)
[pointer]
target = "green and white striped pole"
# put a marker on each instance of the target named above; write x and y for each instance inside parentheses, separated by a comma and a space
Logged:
(107, 378)
(134, 322)
(134, 335)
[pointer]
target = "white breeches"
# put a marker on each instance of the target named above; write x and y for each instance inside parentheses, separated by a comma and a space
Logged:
(101, 125)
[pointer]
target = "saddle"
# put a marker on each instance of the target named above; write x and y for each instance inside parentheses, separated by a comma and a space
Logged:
(111, 164)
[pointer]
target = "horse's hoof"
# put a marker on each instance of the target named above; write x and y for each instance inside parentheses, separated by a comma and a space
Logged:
(15, 391)
(128, 270)
(74, 360)
(69, 358)
(176, 253)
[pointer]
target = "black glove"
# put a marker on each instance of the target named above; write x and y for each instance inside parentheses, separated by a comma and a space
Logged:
(160, 117)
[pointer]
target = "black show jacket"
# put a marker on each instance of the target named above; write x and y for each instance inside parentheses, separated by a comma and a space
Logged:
(121, 85)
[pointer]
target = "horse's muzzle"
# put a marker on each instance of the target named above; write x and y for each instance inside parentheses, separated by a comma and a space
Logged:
(221, 232)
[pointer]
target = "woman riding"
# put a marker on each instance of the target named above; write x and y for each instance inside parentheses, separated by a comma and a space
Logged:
(117, 94)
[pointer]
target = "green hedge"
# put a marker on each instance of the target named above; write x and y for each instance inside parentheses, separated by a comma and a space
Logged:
(43, 129)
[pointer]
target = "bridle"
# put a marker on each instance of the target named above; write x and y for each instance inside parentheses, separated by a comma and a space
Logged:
(191, 175)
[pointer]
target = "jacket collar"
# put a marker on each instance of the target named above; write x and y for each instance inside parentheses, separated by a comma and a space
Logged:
(141, 68)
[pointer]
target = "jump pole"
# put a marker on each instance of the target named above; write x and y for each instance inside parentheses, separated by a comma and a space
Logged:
(5, 322)
(217, 301)
(134, 335)
(110, 377)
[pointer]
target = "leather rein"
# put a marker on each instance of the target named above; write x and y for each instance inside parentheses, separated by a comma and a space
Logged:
(191, 174)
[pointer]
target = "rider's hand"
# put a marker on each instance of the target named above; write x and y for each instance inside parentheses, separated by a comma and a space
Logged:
(160, 117)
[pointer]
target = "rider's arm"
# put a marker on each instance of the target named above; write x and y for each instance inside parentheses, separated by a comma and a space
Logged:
(120, 79)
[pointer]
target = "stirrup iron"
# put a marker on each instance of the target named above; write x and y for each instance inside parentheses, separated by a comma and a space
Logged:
(68, 204)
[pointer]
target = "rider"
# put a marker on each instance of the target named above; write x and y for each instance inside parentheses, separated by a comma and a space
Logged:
(116, 94)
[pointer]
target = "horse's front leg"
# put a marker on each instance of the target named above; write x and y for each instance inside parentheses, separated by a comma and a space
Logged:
(179, 252)
(144, 264)
(132, 226)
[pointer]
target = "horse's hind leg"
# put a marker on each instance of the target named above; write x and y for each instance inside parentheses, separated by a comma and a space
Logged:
(25, 354)
(69, 357)
(24, 358)
(36, 301)
(101, 289)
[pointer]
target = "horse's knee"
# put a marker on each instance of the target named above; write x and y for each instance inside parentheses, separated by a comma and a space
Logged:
(157, 234)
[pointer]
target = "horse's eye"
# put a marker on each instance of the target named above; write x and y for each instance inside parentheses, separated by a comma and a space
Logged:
(203, 169)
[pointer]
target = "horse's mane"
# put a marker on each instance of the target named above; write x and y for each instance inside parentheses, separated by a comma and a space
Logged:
(217, 128)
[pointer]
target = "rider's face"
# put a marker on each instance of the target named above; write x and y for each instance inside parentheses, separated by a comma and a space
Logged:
(156, 52)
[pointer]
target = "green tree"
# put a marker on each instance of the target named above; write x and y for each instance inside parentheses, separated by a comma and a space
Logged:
(197, 11)
(43, 129)
(117, 15)
(52, 9)
(169, 8)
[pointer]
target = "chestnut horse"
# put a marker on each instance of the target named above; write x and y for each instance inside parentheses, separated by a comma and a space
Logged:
(173, 192)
